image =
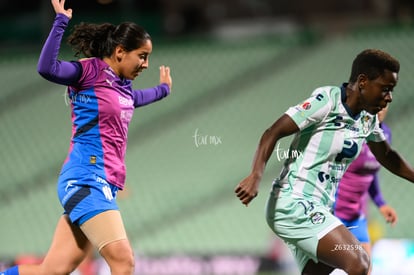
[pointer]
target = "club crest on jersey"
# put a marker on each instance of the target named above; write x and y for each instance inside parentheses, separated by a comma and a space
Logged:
(317, 218)
(306, 105)
(366, 122)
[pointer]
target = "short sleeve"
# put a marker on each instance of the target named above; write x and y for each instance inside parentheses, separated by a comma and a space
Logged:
(90, 73)
(312, 110)
(377, 134)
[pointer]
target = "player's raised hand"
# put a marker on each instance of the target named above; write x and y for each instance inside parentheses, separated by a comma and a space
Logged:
(59, 7)
(165, 76)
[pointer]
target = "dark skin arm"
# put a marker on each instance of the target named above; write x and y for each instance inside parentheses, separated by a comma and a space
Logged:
(391, 160)
(247, 189)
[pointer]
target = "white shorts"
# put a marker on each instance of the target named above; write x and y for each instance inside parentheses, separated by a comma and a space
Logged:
(300, 224)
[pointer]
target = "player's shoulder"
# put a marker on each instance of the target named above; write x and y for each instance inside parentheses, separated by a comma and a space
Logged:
(91, 62)
(91, 71)
(327, 94)
(327, 91)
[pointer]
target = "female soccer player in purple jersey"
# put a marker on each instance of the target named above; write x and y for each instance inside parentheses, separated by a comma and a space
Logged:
(360, 181)
(329, 130)
(102, 102)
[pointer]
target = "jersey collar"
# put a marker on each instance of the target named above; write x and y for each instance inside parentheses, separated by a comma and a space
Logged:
(343, 99)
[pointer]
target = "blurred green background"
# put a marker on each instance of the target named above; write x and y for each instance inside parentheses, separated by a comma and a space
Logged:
(187, 152)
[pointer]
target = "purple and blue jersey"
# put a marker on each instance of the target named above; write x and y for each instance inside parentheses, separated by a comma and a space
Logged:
(359, 181)
(102, 106)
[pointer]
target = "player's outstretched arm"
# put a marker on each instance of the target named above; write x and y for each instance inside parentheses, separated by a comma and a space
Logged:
(247, 189)
(392, 160)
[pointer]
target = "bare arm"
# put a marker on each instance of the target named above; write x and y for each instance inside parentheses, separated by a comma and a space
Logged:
(247, 189)
(392, 160)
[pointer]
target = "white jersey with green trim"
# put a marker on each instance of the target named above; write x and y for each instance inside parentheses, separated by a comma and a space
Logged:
(330, 137)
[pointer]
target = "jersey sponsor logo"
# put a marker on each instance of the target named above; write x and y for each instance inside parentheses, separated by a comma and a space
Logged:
(351, 128)
(126, 115)
(317, 218)
(339, 122)
(69, 184)
(322, 176)
(125, 101)
(349, 150)
(319, 97)
(107, 192)
(306, 105)
(69, 193)
(101, 180)
(337, 166)
(109, 82)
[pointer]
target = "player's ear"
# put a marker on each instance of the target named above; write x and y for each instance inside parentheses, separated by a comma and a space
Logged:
(119, 53)
(362, 78)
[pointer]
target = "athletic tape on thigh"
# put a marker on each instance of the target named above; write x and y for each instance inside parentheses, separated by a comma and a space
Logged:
(104, 228)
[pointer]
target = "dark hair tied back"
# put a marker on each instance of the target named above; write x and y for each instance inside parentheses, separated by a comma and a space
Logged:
(93, 40)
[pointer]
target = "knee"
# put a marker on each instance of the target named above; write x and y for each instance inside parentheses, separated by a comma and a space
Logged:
(127, 260)
(359, 266)
(119, 257)
(124, 258)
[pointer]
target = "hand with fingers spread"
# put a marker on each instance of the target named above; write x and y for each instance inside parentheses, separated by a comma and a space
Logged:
(59, 7)
(165, 76)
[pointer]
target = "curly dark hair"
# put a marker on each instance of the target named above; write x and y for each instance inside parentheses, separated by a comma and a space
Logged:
(100, 40)
(373, 63)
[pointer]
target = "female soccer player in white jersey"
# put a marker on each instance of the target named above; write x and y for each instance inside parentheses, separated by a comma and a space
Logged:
(330, 128)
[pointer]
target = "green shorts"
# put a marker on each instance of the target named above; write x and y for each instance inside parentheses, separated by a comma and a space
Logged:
(300, 224)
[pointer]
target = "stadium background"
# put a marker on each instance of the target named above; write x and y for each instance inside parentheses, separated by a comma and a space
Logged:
(236, 66)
